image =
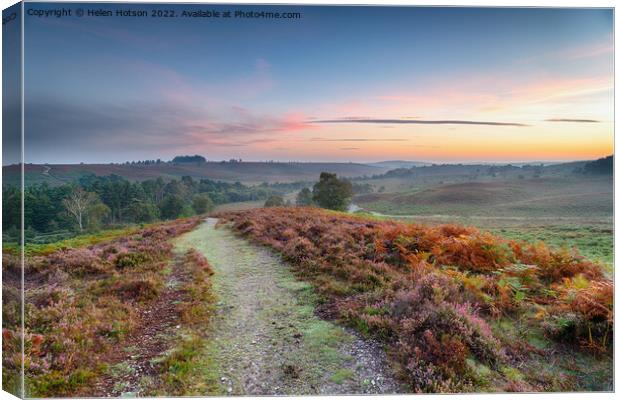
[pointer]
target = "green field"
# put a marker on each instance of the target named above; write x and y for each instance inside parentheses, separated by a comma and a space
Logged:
(563, 210)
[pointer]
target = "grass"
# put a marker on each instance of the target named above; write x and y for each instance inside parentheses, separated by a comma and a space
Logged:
(594, 242)
(84, 240)
(187, 370)
(341, 375)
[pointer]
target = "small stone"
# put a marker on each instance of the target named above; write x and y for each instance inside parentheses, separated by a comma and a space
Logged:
(229, 390)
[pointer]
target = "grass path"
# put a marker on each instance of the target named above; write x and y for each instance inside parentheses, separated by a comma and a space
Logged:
(265, 337)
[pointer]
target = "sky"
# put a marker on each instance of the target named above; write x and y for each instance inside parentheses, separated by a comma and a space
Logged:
(356, 84)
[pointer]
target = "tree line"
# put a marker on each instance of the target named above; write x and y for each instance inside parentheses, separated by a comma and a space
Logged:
(93, 201)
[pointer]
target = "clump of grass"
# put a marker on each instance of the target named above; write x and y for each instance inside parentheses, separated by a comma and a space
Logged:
(431, 293)
(340, 376)
(177, 367)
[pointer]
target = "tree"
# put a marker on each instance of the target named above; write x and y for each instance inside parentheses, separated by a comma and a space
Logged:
(97, 213)
(304, 197)
(331, 192)
(202, 203)
(78, 204)
(171, 206)
(274, 201)
(143, 211)
(188, 159)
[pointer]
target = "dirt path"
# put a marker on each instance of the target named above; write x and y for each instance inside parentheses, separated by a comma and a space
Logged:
(266, 338)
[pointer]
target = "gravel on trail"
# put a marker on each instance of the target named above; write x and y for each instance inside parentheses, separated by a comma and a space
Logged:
(266, 337)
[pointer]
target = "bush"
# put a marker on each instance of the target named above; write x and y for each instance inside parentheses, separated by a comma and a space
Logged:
(131, 260)
(142, 288)
(274, 201)
(78, 262)
(304, 198)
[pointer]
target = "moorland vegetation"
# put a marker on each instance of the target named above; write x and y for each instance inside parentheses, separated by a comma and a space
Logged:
(460, 309)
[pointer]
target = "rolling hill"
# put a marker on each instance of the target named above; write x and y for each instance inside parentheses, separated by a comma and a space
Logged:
(553, 196)
(245, 172)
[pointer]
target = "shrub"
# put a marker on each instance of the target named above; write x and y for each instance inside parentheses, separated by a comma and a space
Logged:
(79, 262)
(274, 201)
(131, 260)
(142, 289)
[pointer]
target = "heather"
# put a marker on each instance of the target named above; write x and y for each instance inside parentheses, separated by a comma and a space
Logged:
(459, 309)
(82, 303)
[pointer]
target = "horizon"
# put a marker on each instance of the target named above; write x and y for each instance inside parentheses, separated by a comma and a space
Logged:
(361, 84)
(428, 162)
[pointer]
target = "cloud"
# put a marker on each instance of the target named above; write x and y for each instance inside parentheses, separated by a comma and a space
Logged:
(604, 47)
(572, 120)
(240, 121)
(348, 148)
(318, 139)
(413, 121)
(133, 128)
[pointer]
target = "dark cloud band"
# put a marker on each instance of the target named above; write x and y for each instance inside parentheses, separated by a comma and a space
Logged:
(413, 121)
(571, 120)
(318, 139)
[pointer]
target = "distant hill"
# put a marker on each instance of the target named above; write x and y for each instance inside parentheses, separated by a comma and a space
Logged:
(476, 171)
(602, 166)
(245, 172)
(394, 164)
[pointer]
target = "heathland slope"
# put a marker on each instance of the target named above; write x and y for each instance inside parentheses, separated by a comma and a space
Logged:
(98, 313)
(141, 311)
(459, 309)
